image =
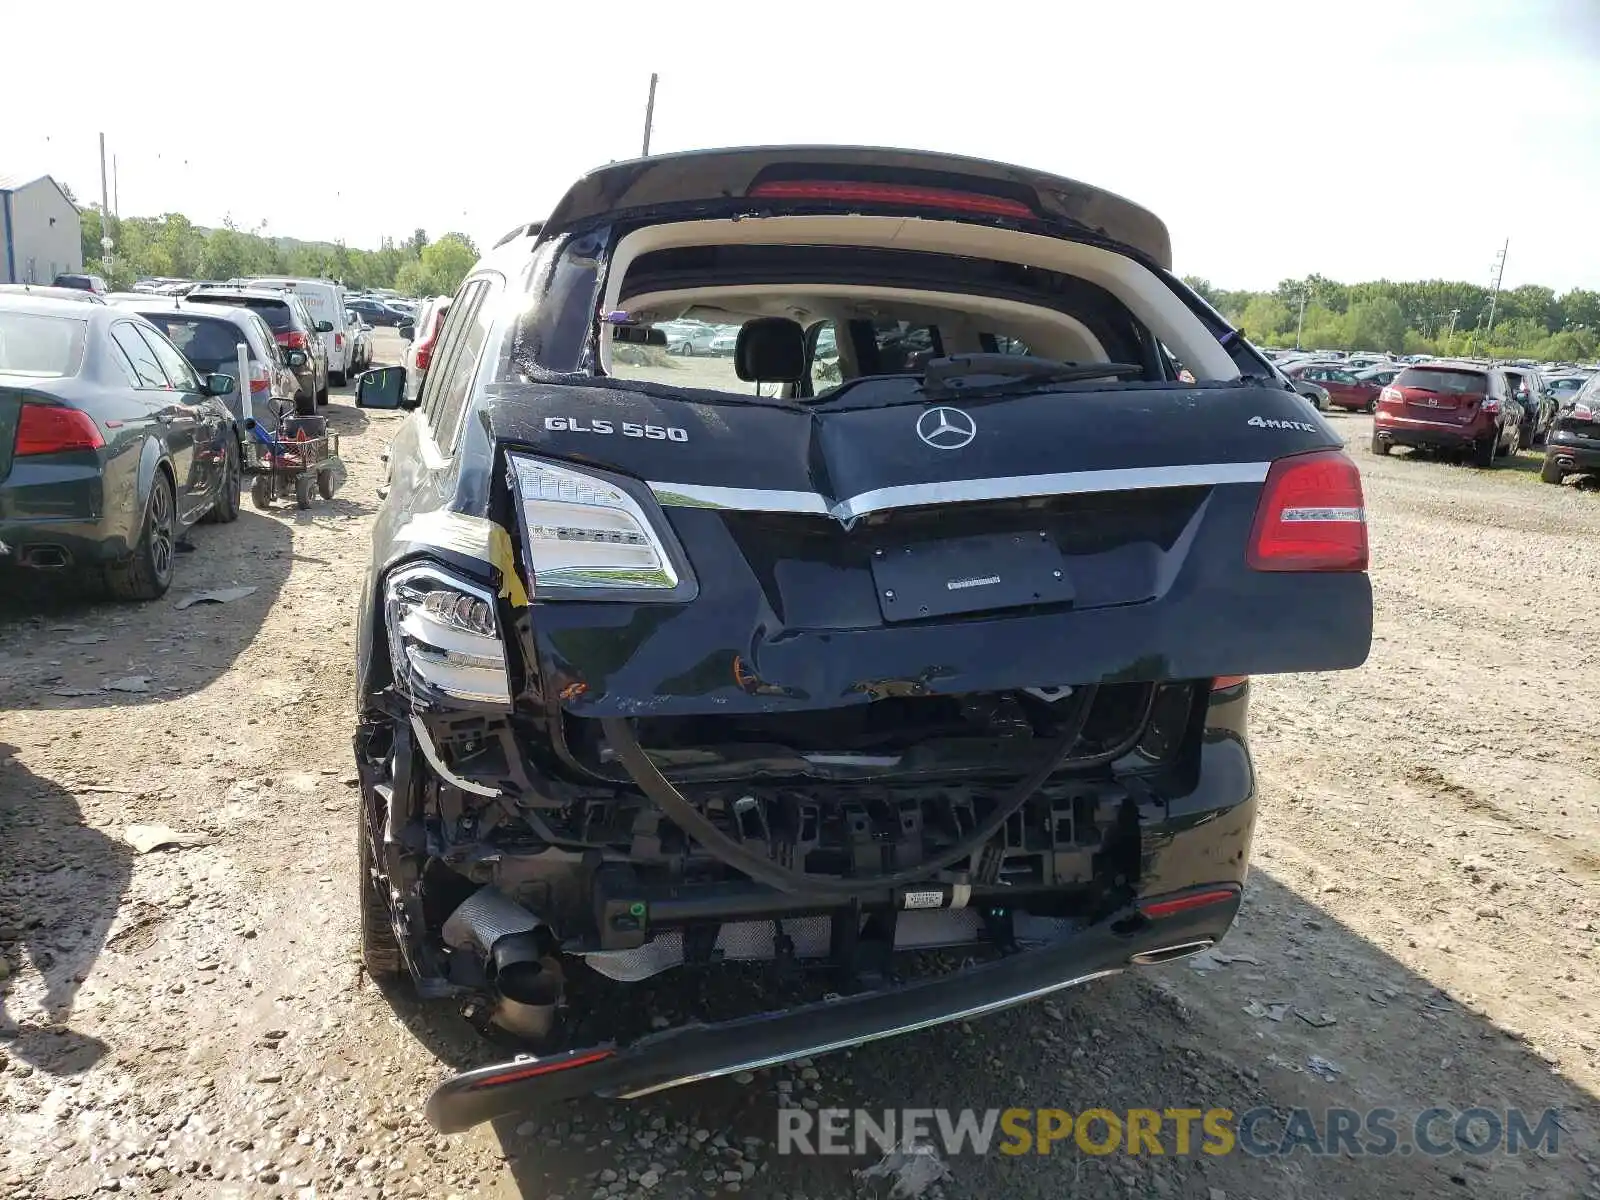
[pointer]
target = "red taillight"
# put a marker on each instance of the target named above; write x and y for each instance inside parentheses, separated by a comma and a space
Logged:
(1178, 904)
(424, 355)
(1582, 412)
(49, 429)
(890, 193)
(550, 1066)
(338, 341)
(292, 340)
(1488, 404)
(1311, 516)
(260, 385)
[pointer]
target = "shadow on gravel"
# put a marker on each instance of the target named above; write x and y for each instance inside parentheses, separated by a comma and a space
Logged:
(63, 648)
(345, 417)
(61, 884)
(1173, 1037)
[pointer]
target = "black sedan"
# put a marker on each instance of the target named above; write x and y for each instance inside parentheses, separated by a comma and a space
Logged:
(377, 312)
(110, 445)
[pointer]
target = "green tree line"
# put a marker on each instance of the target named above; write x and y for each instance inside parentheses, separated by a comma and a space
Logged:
(171, 245)
(1435, 316)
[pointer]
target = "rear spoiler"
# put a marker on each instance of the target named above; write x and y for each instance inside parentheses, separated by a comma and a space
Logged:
(819, 176)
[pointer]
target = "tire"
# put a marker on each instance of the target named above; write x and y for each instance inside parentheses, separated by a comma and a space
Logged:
(325, 484)
(1483, 453)
(1525, 434)
(380, 951)
(1551, 472)
(322, 393)
(1372, 405)
(148, 573)
(226, 510)
(302, 490)
(1379, 446)
(336, 378)
(686, 350)
(305, 405)
(1516, 444)
(261, 491)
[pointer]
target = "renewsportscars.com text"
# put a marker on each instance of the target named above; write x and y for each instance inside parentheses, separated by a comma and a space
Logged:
(1258, 1132)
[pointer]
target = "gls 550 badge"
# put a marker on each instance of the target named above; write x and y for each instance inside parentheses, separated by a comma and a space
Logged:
(654, 433)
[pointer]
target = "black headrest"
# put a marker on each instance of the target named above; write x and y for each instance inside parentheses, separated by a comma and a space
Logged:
(770, 350)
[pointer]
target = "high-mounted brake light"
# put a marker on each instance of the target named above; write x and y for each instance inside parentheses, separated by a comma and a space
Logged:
(1311, 516)
(890, 193)
(51, 429)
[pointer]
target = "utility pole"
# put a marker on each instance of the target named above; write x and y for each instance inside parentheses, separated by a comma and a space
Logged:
(649, 114)
(1300, 323)
(1494, 294)
(105, 210)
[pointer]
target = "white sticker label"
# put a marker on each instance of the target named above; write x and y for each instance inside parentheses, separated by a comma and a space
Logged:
(653, 433)
(924, 900)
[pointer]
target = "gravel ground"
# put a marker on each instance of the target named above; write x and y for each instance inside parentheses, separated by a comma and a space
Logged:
(1423, 921)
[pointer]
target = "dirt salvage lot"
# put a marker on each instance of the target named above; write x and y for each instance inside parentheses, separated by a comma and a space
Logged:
(1423, 921)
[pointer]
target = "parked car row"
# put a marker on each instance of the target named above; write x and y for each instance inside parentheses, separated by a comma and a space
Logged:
(111, 442)
(122, 413)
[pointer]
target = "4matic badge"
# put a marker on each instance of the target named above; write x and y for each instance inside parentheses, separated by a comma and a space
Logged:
(1273, 423)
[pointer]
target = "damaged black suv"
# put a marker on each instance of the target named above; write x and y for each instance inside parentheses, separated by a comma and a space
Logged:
(921, 621)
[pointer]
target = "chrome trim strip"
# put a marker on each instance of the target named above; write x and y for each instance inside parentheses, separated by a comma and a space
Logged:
(696, 495)
(959, 491)
(1066, 483)
(977, 1010)
(444, 772)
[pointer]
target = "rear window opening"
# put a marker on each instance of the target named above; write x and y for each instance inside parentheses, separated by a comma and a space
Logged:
(676, 293)
(1447, 382)
(44, 347)
(208, 343)
(860, 314)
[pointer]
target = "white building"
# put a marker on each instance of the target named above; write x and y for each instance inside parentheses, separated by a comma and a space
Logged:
(40, 231)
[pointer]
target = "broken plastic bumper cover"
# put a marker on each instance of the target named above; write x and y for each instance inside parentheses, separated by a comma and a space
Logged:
(695, 1052)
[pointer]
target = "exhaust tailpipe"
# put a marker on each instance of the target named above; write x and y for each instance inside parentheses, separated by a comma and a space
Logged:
(516, 949)
(1150, 958)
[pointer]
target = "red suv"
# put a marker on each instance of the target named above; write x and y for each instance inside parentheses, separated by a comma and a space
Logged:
(1459, 407)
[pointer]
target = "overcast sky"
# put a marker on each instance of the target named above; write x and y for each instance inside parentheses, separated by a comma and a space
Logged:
(1357, 138)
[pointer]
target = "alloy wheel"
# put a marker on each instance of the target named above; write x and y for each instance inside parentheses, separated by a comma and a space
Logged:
(161, 534)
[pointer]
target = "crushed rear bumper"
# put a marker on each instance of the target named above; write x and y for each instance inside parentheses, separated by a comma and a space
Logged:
(696, 1052)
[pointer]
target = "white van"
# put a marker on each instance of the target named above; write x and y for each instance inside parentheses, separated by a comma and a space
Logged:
(326, 300)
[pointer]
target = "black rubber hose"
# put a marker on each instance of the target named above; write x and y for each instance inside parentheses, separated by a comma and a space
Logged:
(658, 788)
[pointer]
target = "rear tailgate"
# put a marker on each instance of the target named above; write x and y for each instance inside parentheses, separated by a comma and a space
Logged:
(1441, 394)
(861, 179)
(838, 558)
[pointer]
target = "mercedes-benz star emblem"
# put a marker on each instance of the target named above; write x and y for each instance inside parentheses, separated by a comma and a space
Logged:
(946, 428)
